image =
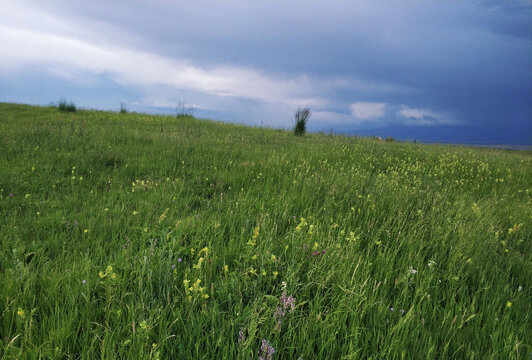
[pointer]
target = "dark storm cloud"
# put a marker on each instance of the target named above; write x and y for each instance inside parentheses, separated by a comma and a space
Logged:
(461, 65)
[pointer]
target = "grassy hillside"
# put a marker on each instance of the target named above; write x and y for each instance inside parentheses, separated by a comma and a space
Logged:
(139, 236)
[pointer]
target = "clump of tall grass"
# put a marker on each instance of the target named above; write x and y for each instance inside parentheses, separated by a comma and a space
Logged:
(63, 106)
(184, 111)
(123, 108)
(301, 118)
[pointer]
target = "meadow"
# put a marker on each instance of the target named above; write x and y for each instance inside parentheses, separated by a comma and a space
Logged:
(134, 236)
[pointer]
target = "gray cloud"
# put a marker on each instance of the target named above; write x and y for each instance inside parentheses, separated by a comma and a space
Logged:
(431, 63)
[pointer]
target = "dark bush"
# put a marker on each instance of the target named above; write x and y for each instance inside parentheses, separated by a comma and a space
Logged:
(63, 106)
(301, 117)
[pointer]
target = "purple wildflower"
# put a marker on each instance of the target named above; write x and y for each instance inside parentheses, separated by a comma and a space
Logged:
(173, 266)
(11, 195)
(266, 350)
(179, 260)
(286, 303)
(84, 282)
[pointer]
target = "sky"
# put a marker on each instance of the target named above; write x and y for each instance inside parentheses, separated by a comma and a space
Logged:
(432, 71)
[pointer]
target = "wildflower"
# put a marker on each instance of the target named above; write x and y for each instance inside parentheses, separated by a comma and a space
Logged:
(392, 309)
(135, 212)
(27, 196)
(173, 266)
(21, 313)
(275, 274)
(508, 304)
(198, 265)
(106, 209)
(273, 257)
(514, 228)
(179, 260)
(252, 271)
(412, 271)
(84, 282)
(301, 224)
(286, 305)
(263, 273)
(256, 233)
(241, 336)
(11, 195)
(266, 350)
(205, 296)
(431, 264)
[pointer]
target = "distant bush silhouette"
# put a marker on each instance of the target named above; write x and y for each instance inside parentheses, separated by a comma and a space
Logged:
(301, 117)
(184, 111)
(123, 109)
(63, 106)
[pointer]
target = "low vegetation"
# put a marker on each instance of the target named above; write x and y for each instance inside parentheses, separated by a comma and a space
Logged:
(63, 106)
(149, 237)
(301, 117)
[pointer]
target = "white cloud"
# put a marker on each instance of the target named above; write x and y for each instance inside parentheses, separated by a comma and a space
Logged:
(368, 111)
(416, 116)
(382, 114)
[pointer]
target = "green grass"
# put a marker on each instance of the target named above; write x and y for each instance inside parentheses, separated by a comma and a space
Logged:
(97, 207)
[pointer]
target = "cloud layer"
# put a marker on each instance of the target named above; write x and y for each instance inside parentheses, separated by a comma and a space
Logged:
(357, 65)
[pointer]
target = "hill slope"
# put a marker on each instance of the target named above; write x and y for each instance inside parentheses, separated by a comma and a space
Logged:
(138, 236)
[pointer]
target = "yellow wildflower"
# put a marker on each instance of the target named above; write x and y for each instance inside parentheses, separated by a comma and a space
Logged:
(21, 313)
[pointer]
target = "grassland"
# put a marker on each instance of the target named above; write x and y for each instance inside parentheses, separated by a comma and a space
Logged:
(149, 237)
